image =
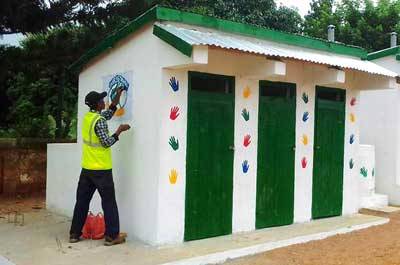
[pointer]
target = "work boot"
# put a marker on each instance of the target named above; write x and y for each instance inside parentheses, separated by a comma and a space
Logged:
(118, 240)
(74, 238)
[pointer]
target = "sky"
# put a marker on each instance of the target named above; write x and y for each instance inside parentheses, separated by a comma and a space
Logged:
(302, 5)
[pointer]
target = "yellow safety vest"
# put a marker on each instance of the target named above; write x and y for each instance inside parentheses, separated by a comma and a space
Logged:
(94, 155)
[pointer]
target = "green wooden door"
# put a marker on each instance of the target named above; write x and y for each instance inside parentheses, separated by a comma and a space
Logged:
(209, 164)
(328, 153)
(275, 166)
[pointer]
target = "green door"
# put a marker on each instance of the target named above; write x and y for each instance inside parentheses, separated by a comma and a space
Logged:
(209, 162)
(328, 152)
(275, 166)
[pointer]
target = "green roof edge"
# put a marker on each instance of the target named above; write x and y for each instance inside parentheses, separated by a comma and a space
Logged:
(168, 14)
(383, 53)
(113, 38)
(171, 39)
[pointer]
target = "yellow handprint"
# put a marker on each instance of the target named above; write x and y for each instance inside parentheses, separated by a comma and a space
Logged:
(352, 117)
(304, 139)
(246, 92)
(173, 175)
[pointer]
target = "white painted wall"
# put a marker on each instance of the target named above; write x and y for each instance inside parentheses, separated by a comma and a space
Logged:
(350, 182)
(380, 121)
(151, 204)
(367, 161)
(136, 156)
(63, 171)
(171, 204)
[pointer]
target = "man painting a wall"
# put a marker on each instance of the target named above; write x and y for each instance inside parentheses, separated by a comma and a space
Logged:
(97, 168)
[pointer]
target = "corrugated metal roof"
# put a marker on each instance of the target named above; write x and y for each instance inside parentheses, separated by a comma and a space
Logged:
(269, 48)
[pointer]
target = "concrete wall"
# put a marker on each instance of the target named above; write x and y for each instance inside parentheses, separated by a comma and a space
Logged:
(379, 124)
(150, 176)
(367, 172)
(136, 156)
(171, 199)
(63, 169)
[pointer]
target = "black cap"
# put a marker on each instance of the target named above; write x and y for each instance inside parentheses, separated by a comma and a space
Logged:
(93, 97)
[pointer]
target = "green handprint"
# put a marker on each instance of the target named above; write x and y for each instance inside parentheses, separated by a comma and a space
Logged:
(364, 172)
(174, 143)
(245, 114)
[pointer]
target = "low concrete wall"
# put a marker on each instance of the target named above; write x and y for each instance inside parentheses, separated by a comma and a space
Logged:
(63, 169)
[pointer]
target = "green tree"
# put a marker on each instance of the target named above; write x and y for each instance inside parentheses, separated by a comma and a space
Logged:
(263, 13)
(319, 17)
(32, 16)
(360, 23)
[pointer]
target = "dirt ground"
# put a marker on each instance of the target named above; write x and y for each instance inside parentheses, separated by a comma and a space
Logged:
(20, 204)
(379, 245)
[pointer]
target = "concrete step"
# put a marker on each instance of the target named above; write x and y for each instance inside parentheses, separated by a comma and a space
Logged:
(375, 201)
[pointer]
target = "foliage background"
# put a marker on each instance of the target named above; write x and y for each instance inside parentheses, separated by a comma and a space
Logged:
(60, 31)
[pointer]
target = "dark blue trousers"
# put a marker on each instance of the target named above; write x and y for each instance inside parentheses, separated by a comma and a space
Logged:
(89, 181)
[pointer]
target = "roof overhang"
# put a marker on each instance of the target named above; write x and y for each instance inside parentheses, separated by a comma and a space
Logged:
(166, 14)
(185, 39)
(395, 51)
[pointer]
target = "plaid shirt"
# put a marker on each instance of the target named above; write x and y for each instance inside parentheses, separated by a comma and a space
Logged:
(101, 128)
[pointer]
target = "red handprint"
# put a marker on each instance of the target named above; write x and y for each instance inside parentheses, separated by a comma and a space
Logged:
(353, 102)
(304, 162)
(174, 113)
(246, 140)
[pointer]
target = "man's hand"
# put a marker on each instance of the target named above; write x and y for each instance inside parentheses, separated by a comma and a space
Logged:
(115, 101)
(122, 128)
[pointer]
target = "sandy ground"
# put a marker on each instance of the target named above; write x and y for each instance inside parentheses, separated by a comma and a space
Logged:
(378, 245)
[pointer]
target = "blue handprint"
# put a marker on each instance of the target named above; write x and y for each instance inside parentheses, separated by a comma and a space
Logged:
(306, 116)
(174, 84)
(352, 139)
(245, 166)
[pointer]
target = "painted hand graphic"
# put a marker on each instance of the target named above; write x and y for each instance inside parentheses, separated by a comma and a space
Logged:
(364, 172)
(174, 113)
(305, 97)
(373, 172)
(306, 116)
(173, 176)
(174, 84)
(304, 139)
(304, 162)
(245, 166)
(353, 101)
(351, 163)
(174, 143)
(245, 114)
(246, 140)
(246, 92)
(352, 117)
(352, 139)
